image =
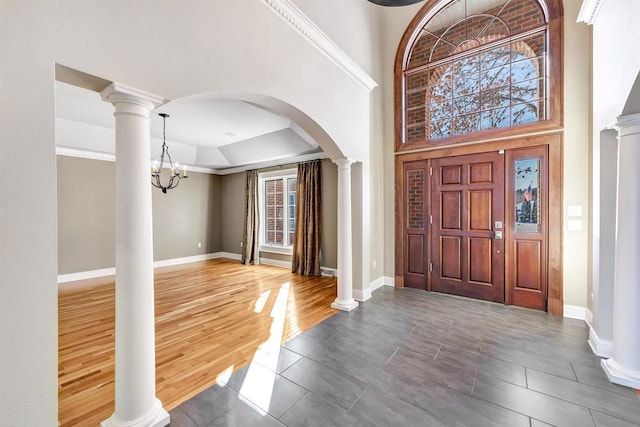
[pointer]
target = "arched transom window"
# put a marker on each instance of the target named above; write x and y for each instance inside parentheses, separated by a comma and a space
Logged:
(475, 65)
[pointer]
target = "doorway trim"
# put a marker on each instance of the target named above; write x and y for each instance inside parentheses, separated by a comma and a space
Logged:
(553, 141)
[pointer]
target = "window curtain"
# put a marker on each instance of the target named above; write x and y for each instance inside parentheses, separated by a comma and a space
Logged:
(306, 245)
(250, 239)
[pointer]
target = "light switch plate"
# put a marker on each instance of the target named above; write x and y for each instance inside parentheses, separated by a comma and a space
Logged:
(574, 210)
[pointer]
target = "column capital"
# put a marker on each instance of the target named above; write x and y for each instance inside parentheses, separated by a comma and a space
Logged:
(343, 163)
(628, 124)
(117, 92)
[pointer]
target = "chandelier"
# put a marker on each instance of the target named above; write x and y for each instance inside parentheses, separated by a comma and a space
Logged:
(157, 166)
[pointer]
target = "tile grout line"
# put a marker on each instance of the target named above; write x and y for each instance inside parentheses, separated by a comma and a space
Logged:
(574, 371)
(413, 329)
(391, 357)
(188, 416)
(294, 405)
(357, 398)
(473, 386)
(593, 418)
(438, 352)
(374, 332)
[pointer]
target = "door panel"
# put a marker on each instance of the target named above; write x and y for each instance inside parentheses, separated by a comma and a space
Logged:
(528, 265)
(480, 270)
(451, 210)
(527, 196)
(451, 254)
(415, 223)
(480, 212)
(416, 254)
(467, 194)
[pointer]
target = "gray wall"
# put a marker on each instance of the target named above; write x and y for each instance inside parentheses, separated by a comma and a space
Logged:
(232, 205)
(86, 216)
(206, 209)
(233, 212)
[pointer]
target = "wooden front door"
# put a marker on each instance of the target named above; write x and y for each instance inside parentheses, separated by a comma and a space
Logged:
(467, 239)
(527, 196)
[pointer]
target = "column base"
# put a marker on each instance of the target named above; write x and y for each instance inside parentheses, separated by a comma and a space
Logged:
(344, 305)
(601, 348)
(157, 417)
(621, 375)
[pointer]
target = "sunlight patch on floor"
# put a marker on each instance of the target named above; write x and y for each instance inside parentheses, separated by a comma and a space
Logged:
(262, 300)
(223, 377)
(257, 386)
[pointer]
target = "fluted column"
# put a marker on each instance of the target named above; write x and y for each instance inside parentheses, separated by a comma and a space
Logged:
(135, 387)
(624, 367)
(345, 300)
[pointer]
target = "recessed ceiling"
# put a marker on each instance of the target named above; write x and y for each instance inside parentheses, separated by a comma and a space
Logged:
(203, 131)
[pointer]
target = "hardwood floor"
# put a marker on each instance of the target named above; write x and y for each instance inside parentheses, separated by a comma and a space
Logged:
(211, 316)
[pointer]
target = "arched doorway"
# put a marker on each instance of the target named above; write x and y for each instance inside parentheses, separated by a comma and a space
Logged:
(478, 151)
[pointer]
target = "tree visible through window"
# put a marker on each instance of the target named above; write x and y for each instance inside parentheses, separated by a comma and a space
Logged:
(486, 70)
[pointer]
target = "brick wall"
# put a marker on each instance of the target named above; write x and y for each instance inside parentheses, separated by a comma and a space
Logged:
(415, 202)
(516, 18)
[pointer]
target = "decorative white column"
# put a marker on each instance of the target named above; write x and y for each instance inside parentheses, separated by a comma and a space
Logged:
(345, 300)
(135, 378)
(624, 367)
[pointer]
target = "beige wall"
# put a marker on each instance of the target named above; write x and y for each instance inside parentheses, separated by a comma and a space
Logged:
(182, 218)
(359, 31)
(395, 22)
(576, 154)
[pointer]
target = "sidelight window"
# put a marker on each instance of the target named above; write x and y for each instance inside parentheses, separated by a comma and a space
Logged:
(527, 195)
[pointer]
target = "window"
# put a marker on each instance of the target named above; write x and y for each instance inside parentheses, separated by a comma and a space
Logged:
(476, 66)
(277, 198)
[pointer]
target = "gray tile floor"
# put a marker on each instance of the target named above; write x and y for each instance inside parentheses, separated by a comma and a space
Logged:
(411, 358)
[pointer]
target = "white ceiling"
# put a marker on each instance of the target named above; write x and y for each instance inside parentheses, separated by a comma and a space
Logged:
(202, 131)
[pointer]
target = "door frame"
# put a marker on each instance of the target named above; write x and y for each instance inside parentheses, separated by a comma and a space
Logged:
(553, 141)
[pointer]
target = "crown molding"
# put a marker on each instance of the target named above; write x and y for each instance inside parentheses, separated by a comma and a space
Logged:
(85, 154)
(272, 163)
(108, 157)
(589, 11)
(294, 17)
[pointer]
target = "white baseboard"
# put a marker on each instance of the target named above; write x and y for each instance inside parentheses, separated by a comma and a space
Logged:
(619, 374)
(365, 294)
(588, 317)
(600, 347)
(185, 260)
(83, 275)
(575, 312)
(376, 284)
(229, 255)
(275, 262)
